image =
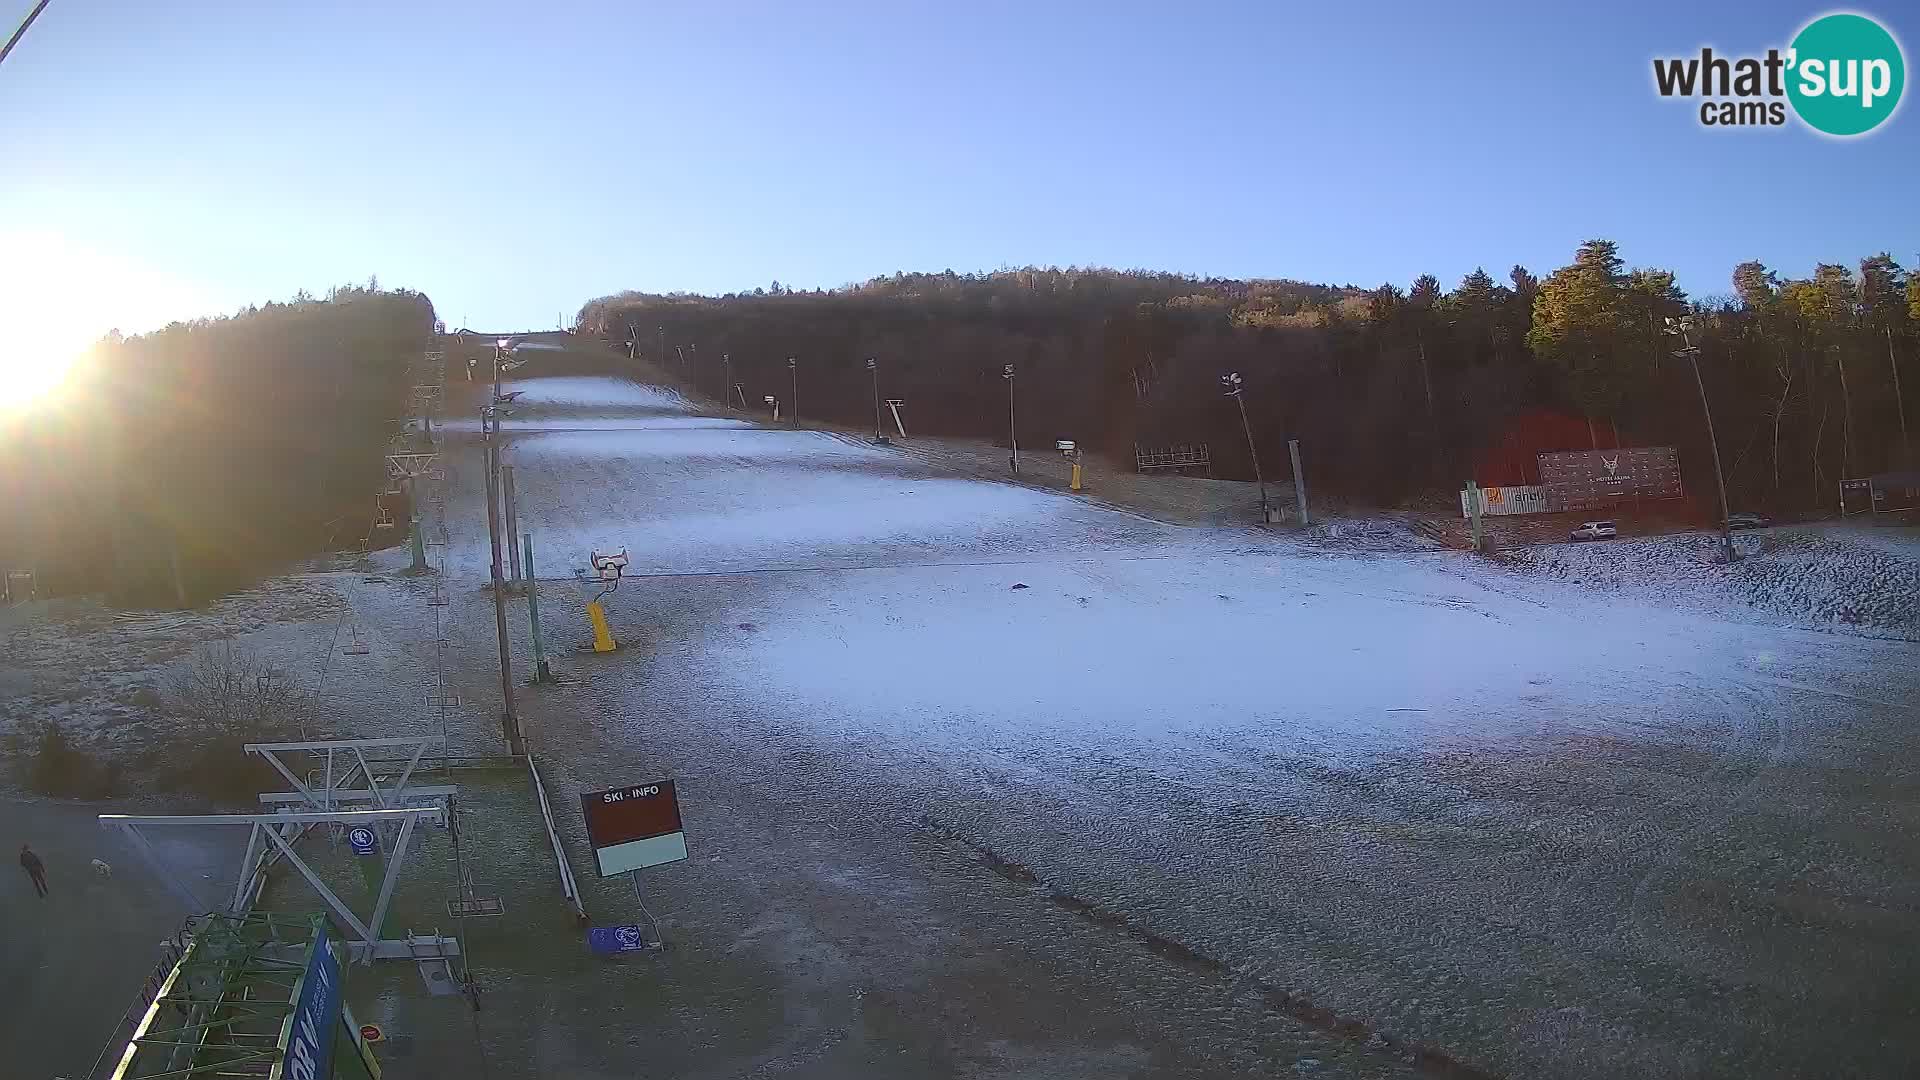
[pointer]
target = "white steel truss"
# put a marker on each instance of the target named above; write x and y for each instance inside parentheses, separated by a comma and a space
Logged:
(279, 832)
(345, 774)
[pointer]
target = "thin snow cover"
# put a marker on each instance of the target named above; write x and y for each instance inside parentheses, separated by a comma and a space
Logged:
(1832, 576)
(577, 422)
(1366, 534)
(724, 500)
(594, 391)
(1335, 656)
(593, 403)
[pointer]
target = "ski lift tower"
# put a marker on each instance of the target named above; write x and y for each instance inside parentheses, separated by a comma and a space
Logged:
(249, 995)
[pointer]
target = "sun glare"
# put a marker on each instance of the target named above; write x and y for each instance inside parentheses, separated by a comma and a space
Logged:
(35, 366)
(44, 328)
(57, 299)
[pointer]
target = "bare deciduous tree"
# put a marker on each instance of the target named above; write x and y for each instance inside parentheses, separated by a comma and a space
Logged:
(234, 693)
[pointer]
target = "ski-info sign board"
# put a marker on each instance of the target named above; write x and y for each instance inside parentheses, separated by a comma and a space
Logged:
(634, 827)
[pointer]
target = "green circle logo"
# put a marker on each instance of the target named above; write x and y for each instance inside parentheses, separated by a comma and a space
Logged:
(1846, 74)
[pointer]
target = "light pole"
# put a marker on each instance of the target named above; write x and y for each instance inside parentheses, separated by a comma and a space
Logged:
(662, 354)
(1234, 384)
(490, 431)
(873, 368)
(1013, 441)
(1683, 329)
(499, 349)
(793, 400)
(726, 361)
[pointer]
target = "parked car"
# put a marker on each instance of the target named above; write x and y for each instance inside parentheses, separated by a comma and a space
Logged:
(1747, 521)
(1594, 530)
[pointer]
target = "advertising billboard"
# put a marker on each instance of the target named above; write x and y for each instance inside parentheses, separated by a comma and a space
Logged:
(1529, 499)
(310, 1030)
(1609, 479)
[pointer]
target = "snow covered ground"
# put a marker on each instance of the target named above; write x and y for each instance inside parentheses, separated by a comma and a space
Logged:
(1334, 782)
(1552, 831)
(1860, 578)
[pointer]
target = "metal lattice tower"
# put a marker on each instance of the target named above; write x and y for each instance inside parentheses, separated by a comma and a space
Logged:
(225, 1007)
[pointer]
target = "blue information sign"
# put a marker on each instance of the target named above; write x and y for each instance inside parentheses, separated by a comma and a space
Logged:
(361, 840)
(310, 1043)
(609, 940)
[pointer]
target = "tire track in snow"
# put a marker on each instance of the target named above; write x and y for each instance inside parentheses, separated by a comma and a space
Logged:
(1586, 878)
(1428, 1059)
(1771, 753)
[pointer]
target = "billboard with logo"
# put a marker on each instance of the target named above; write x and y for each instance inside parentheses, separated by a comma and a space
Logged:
(1609, 480)
(1506, 500)
(310, 1031)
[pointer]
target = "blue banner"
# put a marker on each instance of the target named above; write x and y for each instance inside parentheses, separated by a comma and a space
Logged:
(310, 1044)
(608, 940)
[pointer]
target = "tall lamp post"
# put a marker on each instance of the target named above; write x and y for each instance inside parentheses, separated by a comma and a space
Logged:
(873, 368)
(1683, 329)
(793, 400)
(726, 361)
(490, 431)
(662, 354)
(1234, 385)
(1013, 441)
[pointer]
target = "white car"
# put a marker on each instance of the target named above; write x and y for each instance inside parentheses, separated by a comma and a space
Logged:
(1594, 530)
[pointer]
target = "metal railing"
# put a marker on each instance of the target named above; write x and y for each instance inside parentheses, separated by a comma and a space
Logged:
(569, 888)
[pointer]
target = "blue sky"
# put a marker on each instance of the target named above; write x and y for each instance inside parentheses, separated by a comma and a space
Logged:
(513, 160)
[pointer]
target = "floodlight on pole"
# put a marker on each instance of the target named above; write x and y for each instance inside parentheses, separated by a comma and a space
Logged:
(1013, 441)
(1683, 329)
(1234, 386)
(793, 400)
(873, 368)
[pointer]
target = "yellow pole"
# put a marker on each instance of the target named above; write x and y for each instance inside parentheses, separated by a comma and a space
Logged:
(1076, 476)
(602, 637)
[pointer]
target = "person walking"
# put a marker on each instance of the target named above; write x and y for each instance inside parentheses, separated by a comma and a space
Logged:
(35, 869)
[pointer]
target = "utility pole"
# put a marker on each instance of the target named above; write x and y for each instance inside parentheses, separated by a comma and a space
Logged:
(663, 347)
(509, 720)
(509, 504)
(1013, 441)
(1235, 385)
(873, 368)
(1893, 362)
(726, 361)
(541, 673)
(1473, 514)
(498, 348)
(793, 402)
(418, 543)
(1683, 328)
(1299, 480)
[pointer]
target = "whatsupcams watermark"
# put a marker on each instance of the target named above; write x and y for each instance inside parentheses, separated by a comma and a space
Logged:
(1842, 75)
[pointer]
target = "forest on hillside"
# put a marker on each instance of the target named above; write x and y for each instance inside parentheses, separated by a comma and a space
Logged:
(224, 446)
(1394, 392)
